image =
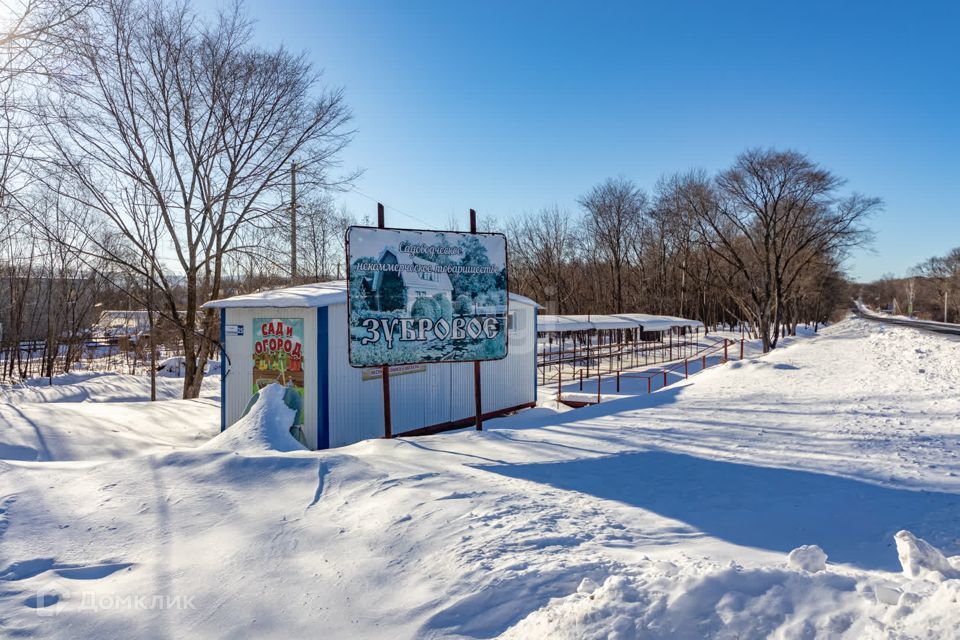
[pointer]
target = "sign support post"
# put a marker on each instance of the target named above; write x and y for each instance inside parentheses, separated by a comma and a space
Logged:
(385, 369)
(477, 398)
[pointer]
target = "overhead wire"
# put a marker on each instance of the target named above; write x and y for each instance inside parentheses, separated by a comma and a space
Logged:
(391, 207)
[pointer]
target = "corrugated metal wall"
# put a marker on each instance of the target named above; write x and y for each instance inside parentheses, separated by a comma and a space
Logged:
(504, 383)
(441, 393)
(238, 383)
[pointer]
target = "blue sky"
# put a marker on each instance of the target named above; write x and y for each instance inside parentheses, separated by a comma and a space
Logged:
(507, 107)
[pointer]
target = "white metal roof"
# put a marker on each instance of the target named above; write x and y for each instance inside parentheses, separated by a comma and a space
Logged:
(554, 324)
(550, 323)
(318, 294)
(661, 323)
(600, 321)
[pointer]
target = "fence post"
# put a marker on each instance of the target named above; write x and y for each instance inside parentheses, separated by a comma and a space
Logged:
(741, 348)
(618, 382)
(599, 380)
(588, 356)
(686, 372)
(703, 362)
(664, 377)
(559, 383)
(649, 385)
(581, 379)
(725, 343)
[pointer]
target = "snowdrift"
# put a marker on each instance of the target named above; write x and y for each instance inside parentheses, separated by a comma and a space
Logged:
(693, 600)
(266, 427)
(87, 417)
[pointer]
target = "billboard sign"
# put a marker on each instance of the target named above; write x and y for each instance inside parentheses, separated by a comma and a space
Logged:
(425, 296)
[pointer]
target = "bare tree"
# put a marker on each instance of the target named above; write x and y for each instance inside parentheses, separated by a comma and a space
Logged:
(165, 122)
(25, 23)
(615, 210)
(770, 216)
(322, 232)
(543, 248)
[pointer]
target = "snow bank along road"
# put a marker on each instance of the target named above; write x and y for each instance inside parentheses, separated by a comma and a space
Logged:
(927, 325)
(690, 513)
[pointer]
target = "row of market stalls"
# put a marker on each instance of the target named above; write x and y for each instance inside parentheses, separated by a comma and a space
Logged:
(584, 345)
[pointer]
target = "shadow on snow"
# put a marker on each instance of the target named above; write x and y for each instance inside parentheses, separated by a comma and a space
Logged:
(761, 507)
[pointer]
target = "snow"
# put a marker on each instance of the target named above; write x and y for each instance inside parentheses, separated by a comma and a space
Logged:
(661, 323)
(708, 602)
(808, 557)
(672, 515)
(592, 321)
(554, 323)
(90, 386)
(919, 558)
(318, 294)
(266, 427)
(97, 416)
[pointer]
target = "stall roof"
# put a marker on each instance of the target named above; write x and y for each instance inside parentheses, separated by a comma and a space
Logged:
(555, 324)
(318, 294)
(660, 323)
(599, 321)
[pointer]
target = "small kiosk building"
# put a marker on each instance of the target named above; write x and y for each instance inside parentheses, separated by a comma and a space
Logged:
(343, 404)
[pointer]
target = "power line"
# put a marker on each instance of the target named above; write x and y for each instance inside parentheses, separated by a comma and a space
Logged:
(392, 208)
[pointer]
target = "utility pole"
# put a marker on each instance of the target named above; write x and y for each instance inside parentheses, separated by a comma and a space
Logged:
(293, 222)
(152, 342)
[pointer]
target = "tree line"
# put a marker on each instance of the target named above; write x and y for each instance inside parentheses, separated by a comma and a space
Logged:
(761, 242)
(930, 291)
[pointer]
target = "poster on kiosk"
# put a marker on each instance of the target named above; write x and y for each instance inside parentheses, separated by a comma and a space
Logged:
(278, 357)
(425, 296)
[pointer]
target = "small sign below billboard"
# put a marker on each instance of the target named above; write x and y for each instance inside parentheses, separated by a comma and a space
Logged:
(425, 296)
(376, 373)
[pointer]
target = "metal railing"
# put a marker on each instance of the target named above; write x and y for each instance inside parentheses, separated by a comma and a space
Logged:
(671, 371)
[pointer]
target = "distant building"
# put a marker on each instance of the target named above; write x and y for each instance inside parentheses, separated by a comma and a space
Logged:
(114, 324)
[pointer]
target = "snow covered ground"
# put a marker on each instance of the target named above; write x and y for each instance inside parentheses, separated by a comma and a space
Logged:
(97, 416)
(676, 515)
